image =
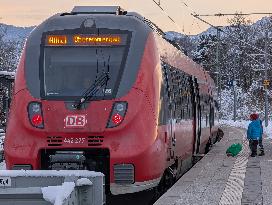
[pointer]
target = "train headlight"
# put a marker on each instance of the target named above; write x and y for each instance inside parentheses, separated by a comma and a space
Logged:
(117, 115)
(35, 114)
(36, 108)
(120, 107)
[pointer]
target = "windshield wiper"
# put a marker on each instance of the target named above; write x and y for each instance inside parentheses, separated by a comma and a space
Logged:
(93, 89)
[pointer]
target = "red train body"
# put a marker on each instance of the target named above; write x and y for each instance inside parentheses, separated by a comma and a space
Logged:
(160, 113)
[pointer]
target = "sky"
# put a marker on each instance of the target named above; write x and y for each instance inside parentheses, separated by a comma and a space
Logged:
(33, 12)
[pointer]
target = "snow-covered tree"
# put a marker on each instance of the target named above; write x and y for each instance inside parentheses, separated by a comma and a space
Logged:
(9, 52)
(240, 60)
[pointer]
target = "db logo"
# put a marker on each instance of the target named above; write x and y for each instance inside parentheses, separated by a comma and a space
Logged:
(74, 121)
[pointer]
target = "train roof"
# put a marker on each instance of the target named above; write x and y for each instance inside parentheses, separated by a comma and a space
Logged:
(116, 10)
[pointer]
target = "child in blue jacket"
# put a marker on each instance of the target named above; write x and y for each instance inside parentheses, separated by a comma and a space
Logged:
(254, 133)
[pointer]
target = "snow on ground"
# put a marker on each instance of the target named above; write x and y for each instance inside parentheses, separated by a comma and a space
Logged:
(2, 165)
(244, 124)
(58, 194)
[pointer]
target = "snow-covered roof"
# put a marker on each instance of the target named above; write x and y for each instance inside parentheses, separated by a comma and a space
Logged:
(49, 173)
(7, 73)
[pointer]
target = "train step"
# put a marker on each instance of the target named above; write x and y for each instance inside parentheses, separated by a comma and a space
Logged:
(46, 187)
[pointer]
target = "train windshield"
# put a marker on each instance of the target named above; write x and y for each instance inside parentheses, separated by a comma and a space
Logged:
(70, 70)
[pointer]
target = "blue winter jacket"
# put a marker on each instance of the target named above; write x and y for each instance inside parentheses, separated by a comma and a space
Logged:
(255, 130)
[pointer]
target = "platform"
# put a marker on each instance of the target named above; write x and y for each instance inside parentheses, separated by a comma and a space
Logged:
(219, 179)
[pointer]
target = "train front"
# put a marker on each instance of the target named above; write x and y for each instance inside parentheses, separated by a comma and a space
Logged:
(85, 97)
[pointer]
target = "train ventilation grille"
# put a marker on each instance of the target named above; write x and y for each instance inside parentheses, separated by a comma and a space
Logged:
(54, 141)
(124, 173)
(95, 140)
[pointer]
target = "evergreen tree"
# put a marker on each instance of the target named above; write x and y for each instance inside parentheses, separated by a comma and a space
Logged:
(9, 52)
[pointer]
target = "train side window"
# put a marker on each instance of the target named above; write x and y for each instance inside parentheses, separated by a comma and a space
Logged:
(212, 116)
(164, 98)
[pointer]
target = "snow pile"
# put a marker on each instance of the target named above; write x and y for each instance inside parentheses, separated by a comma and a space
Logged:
(2, 136)
(1, 142)
(58, 194)
(3, 166)
(241, 123)
(83, 182)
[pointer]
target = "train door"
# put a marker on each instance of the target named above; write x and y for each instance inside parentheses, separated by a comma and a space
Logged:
(197, 117)
(172, 134)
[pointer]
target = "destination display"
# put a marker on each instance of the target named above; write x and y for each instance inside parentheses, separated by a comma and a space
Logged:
(86, 40)
(56, 40)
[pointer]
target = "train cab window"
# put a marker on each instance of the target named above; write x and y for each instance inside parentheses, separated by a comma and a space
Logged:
(69, 71)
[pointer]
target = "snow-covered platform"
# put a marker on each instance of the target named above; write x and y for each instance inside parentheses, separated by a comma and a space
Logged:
(45, 187)
(219, 179)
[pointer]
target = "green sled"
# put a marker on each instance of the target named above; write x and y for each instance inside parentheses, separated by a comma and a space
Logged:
(234, 149)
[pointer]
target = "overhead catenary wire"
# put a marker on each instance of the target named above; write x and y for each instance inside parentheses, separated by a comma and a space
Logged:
(171, 19)
(226, 14)
(231, 14)
(188, 7)
(159, 5)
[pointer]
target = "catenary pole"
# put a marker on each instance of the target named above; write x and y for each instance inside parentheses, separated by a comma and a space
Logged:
(235, 100)
(218, 77)
(265, 76)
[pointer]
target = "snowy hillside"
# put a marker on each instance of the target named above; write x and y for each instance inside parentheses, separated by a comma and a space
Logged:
(172, 35)
(13, 33)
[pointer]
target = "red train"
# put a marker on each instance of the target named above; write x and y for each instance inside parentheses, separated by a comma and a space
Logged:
(99, 89)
